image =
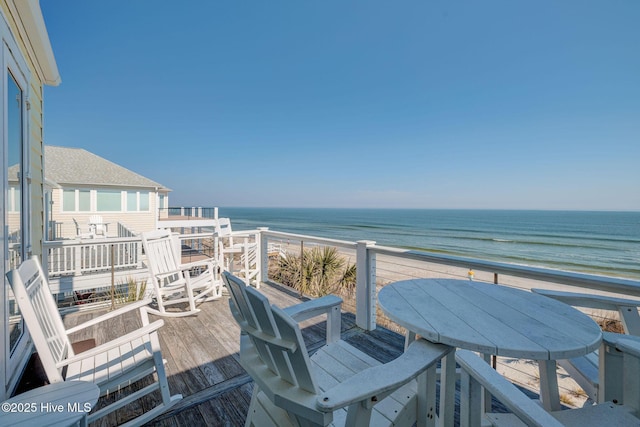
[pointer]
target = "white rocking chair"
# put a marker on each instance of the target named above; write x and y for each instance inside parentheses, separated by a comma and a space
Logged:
(111, 366)
(338, 385)
(177, 283)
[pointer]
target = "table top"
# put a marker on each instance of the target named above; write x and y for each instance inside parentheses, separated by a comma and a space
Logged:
(490, 319)
(58, 404)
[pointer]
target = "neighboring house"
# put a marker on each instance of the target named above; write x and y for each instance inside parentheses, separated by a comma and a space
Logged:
(81, 185)
(28, 64)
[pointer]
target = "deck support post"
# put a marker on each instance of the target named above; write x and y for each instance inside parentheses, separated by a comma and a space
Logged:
(262, 257)
(365, 285)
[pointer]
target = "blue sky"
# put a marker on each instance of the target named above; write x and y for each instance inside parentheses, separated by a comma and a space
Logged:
(408, 104)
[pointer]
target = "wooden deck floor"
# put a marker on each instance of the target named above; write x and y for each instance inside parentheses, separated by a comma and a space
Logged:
(202, 360)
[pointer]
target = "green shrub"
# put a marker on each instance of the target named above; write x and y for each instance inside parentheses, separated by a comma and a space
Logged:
(320, 271)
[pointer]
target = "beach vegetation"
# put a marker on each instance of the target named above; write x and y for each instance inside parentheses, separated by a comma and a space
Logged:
(566, 399)
(578, 393)
(608, 323)
(316, 272)
(129, 291)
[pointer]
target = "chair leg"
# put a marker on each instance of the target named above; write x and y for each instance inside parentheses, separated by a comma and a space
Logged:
(426, 406)
(160, 370)
(192, 301)
(252, 406)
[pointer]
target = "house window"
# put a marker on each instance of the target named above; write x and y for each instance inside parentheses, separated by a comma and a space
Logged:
(84, 200)
(137, 201)
(76, 200)
(132, 201)
(15, 198)
(144, 201)
(15, 123)
(108, 201)
(69, 200)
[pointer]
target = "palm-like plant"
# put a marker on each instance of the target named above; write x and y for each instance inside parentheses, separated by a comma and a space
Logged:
(319, 271)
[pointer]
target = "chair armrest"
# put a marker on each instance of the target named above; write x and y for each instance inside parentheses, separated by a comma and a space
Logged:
(627, 344)
(312, 308)
(138, 333)
(244, 233)
(517, 402)
(588, 300)
(110, 315)
(205, 262)
(627, 308)
(166, 274)
(611, 338)
(382, 379)
(329, 305)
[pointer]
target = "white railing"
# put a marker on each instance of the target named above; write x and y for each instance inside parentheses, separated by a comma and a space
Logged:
(374, 262)
(81, 257)
(375, 265)
(124, 231)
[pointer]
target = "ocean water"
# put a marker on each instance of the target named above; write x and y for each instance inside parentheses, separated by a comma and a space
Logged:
(591, 242)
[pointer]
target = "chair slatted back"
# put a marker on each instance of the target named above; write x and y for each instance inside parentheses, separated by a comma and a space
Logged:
(223, 227)
(41, 315)
(162, 257)
(239, 299)
(281, 335)
(78, 231)
(99, 227)
(244, 316)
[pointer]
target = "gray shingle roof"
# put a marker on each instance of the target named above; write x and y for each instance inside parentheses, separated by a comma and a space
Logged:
(71, 166)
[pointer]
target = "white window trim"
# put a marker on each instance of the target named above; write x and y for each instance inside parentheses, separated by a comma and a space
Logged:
(93, 201)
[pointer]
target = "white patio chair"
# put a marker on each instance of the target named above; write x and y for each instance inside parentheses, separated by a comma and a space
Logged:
(79, 233)
(111, 366)
(97, 226)
(177, 283)
(338, 385)
(622, 356)
(584, 370)
(237, 251)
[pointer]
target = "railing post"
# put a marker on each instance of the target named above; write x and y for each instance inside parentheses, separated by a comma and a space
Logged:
(262, 257)
(44, 260)
(78, 253)
(365, 285)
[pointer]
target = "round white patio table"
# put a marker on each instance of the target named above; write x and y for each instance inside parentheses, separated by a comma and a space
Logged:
(491, 319)
(59, 404)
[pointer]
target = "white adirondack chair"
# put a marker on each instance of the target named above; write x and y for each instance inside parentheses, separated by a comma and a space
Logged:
(79, 233)
(622, 356)
(97, 226)
(237, 252)
(584, 370)
(177, 283)
(111, 366)
(338, 385)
